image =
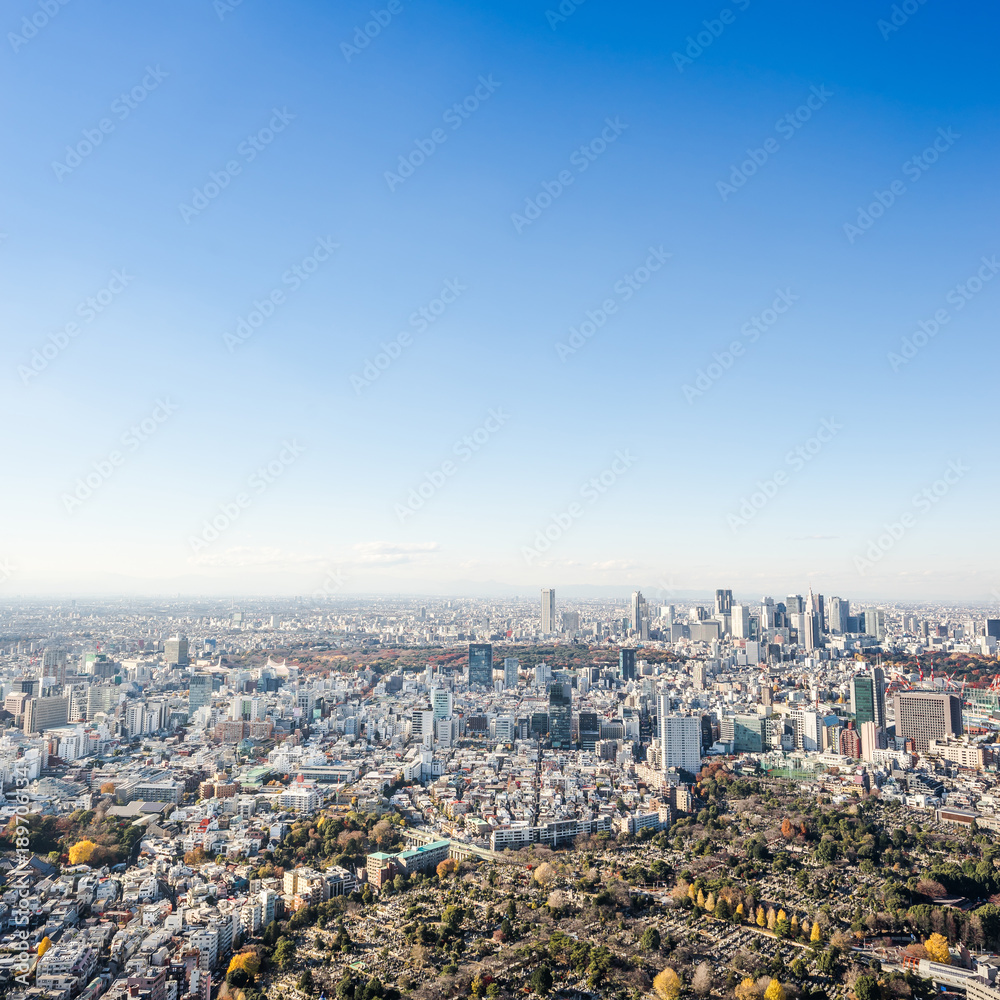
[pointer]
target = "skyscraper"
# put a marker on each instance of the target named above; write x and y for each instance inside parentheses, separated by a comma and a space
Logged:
(480, 664)
(561, 715)
(511, 665)
(175, 651)
(441, 703)
(723, 602)
(680, 738)
(875, 623)
(590, 730)
(810, 634)
(571, 621)
(548, 611)
(638, 610)
(868, 698)
(626, 664)
(793, 604)
(199, 692)
(54, 665)
(838, 615)
(740, 618)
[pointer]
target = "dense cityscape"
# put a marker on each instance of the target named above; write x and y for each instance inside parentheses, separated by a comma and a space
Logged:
(500, 501)
(783, 797)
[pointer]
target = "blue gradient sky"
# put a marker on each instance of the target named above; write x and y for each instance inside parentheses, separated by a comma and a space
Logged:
(666, 520)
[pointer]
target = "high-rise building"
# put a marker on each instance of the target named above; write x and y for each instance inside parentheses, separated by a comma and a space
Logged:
(745, 732)
(868, 697)
(637, 611)
(199, 692)
(872, 739)
(561, 715)
(723, 602)
(511, 665)
(993, 627)
(54, 665)
(874, 623)
(680, 738)
(548, 610)
(626, 664)
(571, 621)
(590, 730)
(673, 731)
(850, 742)
(101, 698)
(175, 651)
(923, 716)
(422, 726)
(441, 703)
(740, 621)
(480, 664)
(793, 604)
(839, 612)
(809, 637)
(45, 713)
(805, 727)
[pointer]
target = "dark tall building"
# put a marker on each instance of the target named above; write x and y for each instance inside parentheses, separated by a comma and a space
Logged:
(561, 715)
(993, 627)
(480, 664)
(539, 725)
(707, 734)
(868, 698)
(590, 730)
(723, 602)
(626, 664)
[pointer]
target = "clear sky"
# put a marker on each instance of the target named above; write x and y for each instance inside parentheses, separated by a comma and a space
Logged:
(677, 172)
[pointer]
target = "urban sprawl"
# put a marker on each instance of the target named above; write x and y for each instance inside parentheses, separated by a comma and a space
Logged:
(776, 799)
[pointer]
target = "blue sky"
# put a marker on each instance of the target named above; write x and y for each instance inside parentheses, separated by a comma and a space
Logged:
(208, 78)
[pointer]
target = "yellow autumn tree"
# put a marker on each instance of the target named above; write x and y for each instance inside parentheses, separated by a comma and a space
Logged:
(761, 919)
(937, 948)
(774, 991)
(815, 935)
(667, 985)
(772, 918)
(80, 852)
(246, 961)
(747, 990)
(446, 867)
(700, 900)
(108, 788)
(796, 929)
(43, 946)
(782, 915)
(710, 902)
(740, 912)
